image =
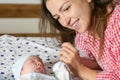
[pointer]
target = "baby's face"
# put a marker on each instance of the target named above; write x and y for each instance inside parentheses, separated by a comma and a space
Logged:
(33, 64)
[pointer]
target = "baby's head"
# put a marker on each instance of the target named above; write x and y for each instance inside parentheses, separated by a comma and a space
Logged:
(27, 64)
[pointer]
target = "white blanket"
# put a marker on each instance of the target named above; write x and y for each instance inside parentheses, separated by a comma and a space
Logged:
(60, 73)
(36, 76)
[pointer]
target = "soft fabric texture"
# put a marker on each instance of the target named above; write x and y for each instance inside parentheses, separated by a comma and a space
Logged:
(36, 76)
(16, 68)
(60, 73)
(13, 47)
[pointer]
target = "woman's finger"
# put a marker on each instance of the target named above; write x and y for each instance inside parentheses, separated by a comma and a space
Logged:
(63, 53)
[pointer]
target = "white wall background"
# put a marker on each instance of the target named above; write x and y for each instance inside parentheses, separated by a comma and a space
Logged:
(20, 1)
(19, 25)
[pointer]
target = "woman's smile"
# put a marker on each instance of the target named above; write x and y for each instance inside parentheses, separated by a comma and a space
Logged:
(76, 25)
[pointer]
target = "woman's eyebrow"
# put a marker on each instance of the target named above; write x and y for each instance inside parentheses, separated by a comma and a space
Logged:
(61, 7)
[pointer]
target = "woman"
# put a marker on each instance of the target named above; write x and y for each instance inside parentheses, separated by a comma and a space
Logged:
(97, 27)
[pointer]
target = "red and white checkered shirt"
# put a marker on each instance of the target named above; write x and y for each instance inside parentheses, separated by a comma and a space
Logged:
(110, 59)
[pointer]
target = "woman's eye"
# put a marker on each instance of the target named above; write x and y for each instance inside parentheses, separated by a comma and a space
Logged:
(66, 8)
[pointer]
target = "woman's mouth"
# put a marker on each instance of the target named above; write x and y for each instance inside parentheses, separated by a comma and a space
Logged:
(76, 25)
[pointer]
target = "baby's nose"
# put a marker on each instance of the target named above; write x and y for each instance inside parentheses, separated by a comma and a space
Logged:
(38, 64)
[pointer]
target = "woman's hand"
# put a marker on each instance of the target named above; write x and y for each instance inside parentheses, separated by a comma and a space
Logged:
(69, 55)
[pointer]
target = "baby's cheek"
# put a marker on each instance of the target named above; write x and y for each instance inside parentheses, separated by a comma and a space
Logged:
(30, 69)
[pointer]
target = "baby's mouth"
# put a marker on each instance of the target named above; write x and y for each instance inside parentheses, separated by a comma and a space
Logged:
(41, 70)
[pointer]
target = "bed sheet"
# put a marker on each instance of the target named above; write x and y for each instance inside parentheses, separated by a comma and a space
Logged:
(12, 47)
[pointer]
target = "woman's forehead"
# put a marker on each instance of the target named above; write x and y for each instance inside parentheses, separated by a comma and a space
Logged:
(56, 1)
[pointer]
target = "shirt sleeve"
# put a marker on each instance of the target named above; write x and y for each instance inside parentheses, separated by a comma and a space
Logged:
(113, 74)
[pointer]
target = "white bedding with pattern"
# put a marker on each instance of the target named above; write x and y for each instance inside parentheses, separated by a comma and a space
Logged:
(12, 47)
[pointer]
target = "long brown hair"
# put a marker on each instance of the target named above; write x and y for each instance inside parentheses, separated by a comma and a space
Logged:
(99, 19)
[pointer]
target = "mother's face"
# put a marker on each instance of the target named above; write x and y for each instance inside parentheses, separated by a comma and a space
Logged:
(73, 14)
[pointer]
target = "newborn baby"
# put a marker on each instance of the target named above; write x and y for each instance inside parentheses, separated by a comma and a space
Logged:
(31, 67)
